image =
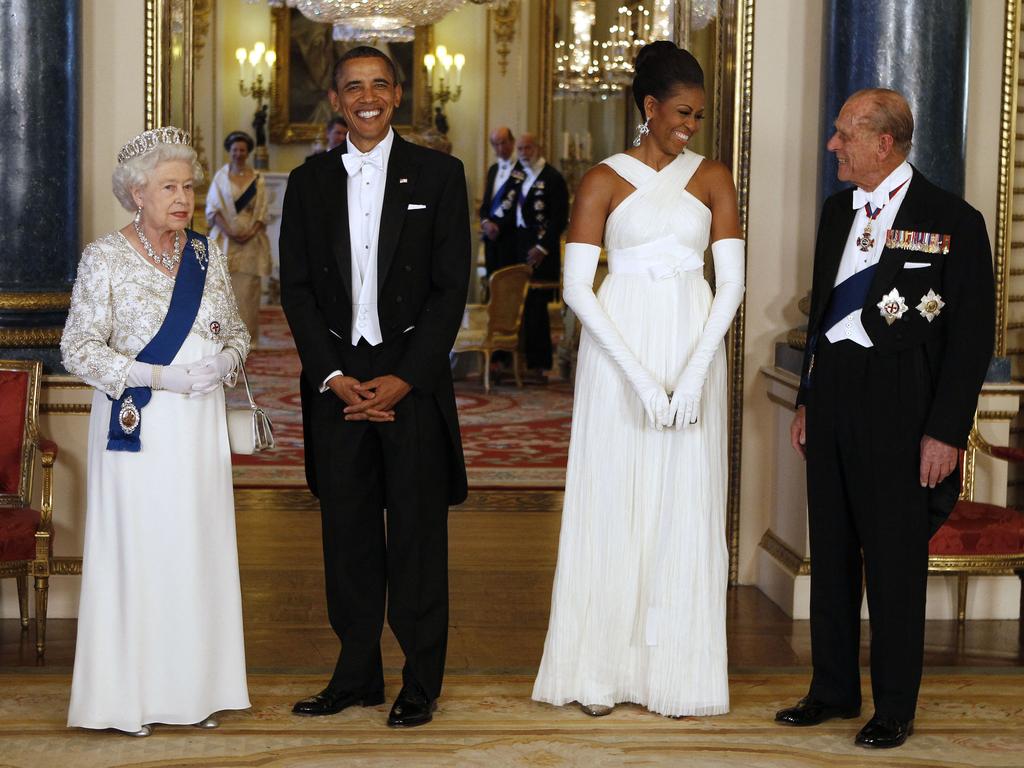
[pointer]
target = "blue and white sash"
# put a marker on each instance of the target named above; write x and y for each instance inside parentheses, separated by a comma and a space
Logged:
(498, 206)
(125, 430)
(847, 297)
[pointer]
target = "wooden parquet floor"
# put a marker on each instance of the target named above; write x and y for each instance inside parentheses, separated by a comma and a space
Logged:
(502, 554)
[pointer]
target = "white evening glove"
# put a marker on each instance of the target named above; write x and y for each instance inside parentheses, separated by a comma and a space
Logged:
(728, 255)
(139, 375)
(171, 378)
(578, 292)
(214, 369)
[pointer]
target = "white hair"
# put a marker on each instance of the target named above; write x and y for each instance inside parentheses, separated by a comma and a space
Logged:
(136, 173)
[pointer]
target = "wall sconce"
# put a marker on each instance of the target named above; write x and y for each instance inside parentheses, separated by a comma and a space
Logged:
(256, 58)
(441, 91)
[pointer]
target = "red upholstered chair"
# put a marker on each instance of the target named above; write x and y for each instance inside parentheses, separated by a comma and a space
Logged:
(26, 533)
(979, 538)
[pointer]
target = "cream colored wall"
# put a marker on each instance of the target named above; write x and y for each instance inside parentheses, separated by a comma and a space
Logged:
(113, 105)
(783, 208)
(465, 31)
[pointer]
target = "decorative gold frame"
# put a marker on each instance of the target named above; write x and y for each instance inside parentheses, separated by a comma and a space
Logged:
(733, 109)
(158, 76)
(284, 131)
(1007, 158)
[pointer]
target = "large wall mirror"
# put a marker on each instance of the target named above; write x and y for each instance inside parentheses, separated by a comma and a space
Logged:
(191, 81)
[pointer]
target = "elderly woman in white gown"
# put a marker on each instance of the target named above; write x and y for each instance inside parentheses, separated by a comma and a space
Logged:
(153, 326)
(236, 210)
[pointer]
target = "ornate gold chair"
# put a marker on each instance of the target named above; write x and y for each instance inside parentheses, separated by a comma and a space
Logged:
(26, 534)
(495, 325)
(979, 538)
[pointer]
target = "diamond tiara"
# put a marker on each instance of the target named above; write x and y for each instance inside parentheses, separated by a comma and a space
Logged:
(147, 140)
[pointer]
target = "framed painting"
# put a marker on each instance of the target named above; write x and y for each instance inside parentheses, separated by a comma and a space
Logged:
(306, 53)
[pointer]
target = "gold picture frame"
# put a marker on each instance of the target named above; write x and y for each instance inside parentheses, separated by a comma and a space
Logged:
(293, 119)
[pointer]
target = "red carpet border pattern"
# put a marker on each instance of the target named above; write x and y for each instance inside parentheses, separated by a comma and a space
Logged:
(513, 438)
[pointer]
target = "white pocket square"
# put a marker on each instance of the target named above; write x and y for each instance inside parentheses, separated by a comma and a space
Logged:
(416, 206)
(916, 264)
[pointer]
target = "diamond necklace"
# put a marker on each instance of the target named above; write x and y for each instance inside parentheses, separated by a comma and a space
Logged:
(169, 260)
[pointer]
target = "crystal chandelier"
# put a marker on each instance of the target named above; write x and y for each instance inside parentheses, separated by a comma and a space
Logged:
(387, 20)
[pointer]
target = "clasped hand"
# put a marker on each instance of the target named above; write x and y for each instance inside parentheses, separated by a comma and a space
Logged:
(679, 410)
(372, 400)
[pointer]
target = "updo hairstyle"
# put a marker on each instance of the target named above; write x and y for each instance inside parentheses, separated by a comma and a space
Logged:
(661, 67)
(136, 173)
(238, 136)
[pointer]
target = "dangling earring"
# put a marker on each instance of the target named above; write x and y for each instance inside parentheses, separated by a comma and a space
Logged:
(138, 215)
(641, 131)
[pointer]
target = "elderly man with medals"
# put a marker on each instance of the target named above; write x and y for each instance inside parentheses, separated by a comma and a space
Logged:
(154, 327)
(497, 217)
(899, 340)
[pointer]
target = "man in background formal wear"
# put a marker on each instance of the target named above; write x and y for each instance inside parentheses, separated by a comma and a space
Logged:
(542, 213)
(497, 210)
(899, 340)
(375, 247)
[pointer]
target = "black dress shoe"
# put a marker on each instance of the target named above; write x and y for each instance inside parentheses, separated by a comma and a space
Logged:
(330, 702)
(884, 733)
(411, 708)
(810, 711)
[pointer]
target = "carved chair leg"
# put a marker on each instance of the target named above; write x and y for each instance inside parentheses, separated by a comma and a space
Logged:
(487, 370)
(42, 591)
(961, 597)
(517, 368)
(23, 600)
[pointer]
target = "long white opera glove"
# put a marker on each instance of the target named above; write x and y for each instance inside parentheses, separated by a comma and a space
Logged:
(578, 292)
(728, 255)
(215, 369)
(139, 375)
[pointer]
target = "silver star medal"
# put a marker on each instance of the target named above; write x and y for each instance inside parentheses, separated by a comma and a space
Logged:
(930, 306)
(892, 306)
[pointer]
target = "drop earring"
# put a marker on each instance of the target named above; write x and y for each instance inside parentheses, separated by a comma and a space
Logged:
(138, 215)
(642, 130)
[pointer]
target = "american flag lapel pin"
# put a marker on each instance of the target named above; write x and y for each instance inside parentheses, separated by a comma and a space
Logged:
(403, 181)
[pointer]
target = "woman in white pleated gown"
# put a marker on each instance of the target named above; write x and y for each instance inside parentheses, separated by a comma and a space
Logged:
(638, 606)
(160, 616)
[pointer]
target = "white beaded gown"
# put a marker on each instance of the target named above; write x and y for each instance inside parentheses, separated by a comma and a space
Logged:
(638, 605)
(160, 615)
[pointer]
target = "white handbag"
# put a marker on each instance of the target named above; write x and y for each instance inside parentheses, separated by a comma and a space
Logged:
(249, 429)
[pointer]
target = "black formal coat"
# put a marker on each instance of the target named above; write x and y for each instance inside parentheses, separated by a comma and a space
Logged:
(546, 214)
(502, 251)
(423, 258)
(957, 342)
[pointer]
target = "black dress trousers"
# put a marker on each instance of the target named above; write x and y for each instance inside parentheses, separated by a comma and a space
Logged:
(363, 469)
(868, 517)
(536, 320)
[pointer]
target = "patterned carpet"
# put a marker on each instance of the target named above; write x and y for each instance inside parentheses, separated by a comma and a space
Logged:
(513, 438)
(965, 719)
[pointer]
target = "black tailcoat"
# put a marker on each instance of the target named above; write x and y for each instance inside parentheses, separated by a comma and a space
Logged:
(414, 466)
(502, 251)
(867, 412)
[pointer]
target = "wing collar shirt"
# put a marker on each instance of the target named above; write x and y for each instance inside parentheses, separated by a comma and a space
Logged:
(367, 174)
(850, 328)
(504, 171)
(532, 172)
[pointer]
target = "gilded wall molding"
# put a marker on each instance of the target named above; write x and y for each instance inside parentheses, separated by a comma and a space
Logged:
(742, 91)
(504, 20)
(152, 64)
(784, 554)
(65, 409)
(35, 302)
(30, 337)
(1007, 152)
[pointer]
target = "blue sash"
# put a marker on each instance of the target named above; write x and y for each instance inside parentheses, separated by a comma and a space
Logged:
(499, 196)
(847, 297)
(125, 428)
(246, 197)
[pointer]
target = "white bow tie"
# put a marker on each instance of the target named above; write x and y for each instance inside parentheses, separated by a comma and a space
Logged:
(878, 198)
(354, 162)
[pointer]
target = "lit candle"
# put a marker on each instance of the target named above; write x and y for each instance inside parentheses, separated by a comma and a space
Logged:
(428, 62)
(270, 57)
(240, 54)
(460, 62)
(565, 144)
(254, 59)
